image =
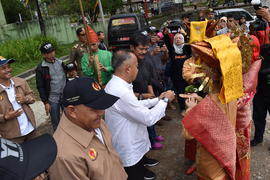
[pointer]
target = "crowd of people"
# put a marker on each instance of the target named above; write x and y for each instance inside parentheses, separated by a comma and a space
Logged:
(104, 105)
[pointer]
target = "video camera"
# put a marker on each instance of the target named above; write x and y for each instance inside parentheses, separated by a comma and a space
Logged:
(259, 24)
(160, 43)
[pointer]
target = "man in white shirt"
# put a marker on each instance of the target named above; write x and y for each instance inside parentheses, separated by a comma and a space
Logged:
(17, 120)
(128, 118)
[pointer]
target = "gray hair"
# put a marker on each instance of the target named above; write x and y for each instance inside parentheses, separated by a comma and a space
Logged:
(119, 57)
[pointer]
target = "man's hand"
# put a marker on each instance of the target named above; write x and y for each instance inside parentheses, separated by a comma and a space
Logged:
(156, 50)
(264, 14)
(101, 67)
(10, 114)
(47, 108)
(164, 48)
(20, 98)
(91, 60)
(170, 95)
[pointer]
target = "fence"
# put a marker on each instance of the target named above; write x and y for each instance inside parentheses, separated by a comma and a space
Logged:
(58, 27)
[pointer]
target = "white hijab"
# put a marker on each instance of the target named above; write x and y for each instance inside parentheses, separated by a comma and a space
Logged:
(178, 48)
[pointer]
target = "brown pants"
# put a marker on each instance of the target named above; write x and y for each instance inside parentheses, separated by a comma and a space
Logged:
(27, 137)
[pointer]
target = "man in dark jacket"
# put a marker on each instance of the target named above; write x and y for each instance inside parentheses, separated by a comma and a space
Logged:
(50, 80)
(261, 101)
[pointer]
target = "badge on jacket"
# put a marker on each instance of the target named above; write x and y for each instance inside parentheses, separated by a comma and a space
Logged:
(92, 154)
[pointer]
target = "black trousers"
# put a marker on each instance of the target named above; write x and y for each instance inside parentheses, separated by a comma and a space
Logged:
(136, 172)
(261, 104)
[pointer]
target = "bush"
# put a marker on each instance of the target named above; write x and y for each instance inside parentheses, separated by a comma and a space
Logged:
(25, 50)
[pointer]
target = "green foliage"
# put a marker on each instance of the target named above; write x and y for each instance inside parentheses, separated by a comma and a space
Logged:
(72, 7)
(25, 52)
(12, 8)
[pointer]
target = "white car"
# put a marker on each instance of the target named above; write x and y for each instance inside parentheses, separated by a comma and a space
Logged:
(236, 13)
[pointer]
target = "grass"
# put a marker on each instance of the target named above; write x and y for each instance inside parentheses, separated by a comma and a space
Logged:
(18, 68)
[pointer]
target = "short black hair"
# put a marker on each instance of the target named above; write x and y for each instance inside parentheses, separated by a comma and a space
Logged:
(139, 39)
(79, 30)
(120, 56)
(99, 32)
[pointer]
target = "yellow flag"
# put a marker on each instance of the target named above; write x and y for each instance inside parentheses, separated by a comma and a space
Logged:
(197, 31)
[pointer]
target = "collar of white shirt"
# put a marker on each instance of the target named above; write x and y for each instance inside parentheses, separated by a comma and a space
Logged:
(122, 81)
(10, 86)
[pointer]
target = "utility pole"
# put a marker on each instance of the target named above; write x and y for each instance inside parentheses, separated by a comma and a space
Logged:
(102, 14)
(40, 20)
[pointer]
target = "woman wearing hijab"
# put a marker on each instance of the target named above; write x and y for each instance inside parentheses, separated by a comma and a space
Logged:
(178, 54)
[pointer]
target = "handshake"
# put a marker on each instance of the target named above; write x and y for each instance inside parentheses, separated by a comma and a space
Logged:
(167, 94)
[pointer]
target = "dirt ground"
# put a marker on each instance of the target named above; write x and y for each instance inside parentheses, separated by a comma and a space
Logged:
(172, 162)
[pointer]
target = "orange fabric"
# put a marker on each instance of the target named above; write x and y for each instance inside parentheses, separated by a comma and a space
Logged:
(244, 172)
(91, 35)
(243, 154)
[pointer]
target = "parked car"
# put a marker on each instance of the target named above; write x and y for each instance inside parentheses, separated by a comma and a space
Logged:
(121, 27)
(174, 25)
(236, 13)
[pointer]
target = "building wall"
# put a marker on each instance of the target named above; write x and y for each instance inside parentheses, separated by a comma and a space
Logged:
(2, 16)
(57, 27)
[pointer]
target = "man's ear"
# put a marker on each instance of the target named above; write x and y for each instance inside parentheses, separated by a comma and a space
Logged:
(71, 111)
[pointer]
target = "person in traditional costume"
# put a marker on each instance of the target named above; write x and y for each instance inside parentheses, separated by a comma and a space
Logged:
(96, 63)
(220, 122)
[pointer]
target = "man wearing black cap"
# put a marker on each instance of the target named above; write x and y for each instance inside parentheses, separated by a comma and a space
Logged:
(27, 160)
(84, 142)
(50, 80)
(17, 120)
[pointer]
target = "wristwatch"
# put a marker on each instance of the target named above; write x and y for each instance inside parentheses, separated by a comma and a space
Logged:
(166, 100)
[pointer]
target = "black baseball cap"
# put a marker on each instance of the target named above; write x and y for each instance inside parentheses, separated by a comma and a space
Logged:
(4, 61)
(86, 91)
(27, 160)
(70, 66)
(46, 48)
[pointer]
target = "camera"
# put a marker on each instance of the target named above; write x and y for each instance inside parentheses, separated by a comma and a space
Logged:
(160, 43)
(256, 4)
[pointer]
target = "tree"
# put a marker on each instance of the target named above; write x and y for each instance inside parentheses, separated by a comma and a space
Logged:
(12, 9)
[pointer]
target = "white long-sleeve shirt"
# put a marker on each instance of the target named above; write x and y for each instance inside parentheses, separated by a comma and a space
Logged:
(128, 119)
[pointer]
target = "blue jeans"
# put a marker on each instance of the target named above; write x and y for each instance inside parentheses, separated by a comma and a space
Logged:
(152, 134)
(55, 113)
